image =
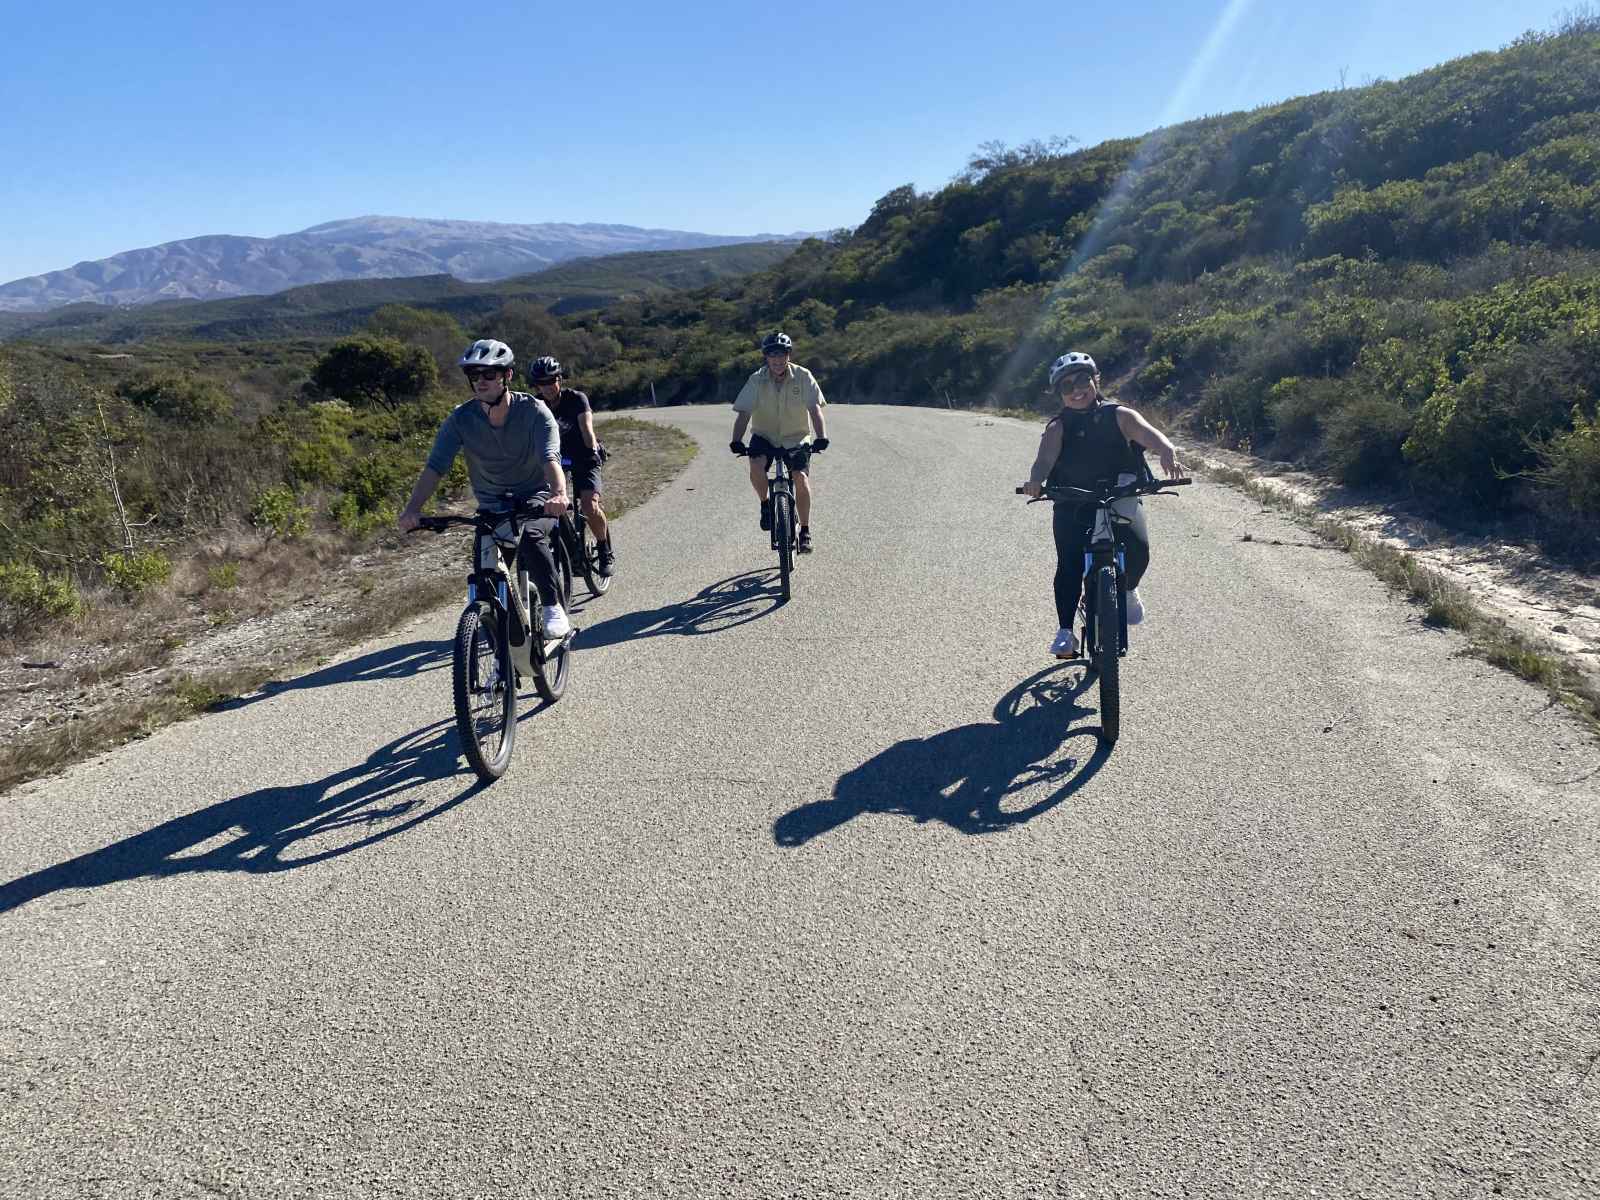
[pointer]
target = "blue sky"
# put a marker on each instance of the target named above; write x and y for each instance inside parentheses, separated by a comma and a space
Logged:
(146, 124)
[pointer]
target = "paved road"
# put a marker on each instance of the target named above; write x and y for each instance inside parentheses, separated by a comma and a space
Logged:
(837, 898)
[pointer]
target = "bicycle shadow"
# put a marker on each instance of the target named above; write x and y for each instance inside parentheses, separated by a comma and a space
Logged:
(274, 829)
(392, 662)
(964, 776)
(736, 600)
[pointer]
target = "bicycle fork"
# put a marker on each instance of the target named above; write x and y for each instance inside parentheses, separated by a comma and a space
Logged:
(1091, 594)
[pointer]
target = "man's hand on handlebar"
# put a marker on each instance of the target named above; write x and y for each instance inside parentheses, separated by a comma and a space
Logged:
(556, 505)
(738, 447)
(820, 444)
(1170, 464)
(1032, 490)
(408, 521)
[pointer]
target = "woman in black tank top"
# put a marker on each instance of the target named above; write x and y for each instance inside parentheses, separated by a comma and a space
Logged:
(1093, 440)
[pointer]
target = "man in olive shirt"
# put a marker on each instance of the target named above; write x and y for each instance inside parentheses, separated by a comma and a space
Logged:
(512, 448)
(780, 404)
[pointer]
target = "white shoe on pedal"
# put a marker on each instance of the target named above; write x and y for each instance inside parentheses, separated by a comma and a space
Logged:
(1065, 645)
(556, 624)
(1135, 607)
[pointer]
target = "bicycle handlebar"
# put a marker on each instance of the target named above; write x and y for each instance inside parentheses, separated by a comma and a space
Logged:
(785, 451)
(481, 519)
(1139, 487)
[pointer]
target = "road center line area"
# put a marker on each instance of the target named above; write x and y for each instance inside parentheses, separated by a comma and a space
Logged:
(843, 896)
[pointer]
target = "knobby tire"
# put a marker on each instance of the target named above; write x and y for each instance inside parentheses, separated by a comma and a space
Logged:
(1108, 637)
(483, 671)
(589, 557)
(783, 535)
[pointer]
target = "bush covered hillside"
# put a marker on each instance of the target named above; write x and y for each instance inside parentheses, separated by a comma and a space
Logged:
(1399, 282)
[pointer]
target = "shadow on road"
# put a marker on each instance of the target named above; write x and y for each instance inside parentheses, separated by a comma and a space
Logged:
(274, 829)
(722, 605)
(963, 776)
(392, 662)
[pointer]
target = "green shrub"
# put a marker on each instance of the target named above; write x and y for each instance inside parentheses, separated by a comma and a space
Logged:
(1362, 439)
(1569, 467)
(136, 572)
(375, 481)
(1295, 407)
(278, 512)
(27, 593)
(177, 397)
(350, 517)
(223, 577)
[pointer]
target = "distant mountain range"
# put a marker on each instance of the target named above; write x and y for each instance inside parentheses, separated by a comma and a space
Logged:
(224, 266)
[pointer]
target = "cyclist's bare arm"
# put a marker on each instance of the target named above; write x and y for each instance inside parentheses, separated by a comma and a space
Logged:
(817, 422)
(427, 484)
(1139, 431)
(741, 422)
(1049, 451)
(586, 429)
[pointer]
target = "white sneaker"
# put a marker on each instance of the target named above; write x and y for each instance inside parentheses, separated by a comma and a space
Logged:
(1135, 607)
(556, 624)
(1065, 645)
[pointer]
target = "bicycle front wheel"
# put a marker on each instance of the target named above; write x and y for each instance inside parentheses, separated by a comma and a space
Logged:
(1106, 662)
(783, 537)
(484, 685)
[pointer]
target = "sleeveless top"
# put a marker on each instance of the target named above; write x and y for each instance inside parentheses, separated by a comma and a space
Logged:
(1093, 449)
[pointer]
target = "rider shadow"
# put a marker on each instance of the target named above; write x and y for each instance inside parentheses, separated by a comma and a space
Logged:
(392, 662)
(274, 829)
(723, 605)
(964, 776)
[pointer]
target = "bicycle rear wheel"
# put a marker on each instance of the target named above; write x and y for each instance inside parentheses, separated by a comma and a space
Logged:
(589, 559)
(1108, 636)
(783, 537)
(483, 682)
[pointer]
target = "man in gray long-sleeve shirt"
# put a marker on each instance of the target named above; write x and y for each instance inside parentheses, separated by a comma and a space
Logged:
(513, 448)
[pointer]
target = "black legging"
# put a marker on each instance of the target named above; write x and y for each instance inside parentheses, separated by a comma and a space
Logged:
(1072, 532)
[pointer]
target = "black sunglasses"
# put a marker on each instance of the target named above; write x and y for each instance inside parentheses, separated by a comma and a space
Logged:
(477, 373)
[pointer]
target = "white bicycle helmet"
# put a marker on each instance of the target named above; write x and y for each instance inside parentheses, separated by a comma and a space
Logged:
(1071, 362)
(486, 352)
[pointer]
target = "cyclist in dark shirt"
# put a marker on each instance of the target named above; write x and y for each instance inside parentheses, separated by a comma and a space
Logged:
(575, 419)
(1092, 441)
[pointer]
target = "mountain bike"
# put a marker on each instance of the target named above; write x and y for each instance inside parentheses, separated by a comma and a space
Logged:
(582, 550)
(1104, 637)
(780, 491)
(499, 639)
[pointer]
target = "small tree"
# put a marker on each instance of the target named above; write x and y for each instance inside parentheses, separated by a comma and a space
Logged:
(375, 370)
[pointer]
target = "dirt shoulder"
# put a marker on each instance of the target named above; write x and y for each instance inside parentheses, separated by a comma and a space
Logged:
(82, 688)
(1553, 607)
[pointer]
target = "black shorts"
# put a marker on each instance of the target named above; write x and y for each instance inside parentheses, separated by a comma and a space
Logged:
(585, 477)
(799, 456)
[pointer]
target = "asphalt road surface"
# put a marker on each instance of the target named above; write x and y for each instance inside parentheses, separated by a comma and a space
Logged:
(838, 898)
